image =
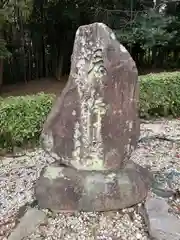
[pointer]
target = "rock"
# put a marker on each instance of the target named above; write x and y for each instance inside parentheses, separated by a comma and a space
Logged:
(160, 185)
(28, 223)
(165, 182)
(165, 193)
(68, 189)
(161, 224)
(94, 124)
(92, 130)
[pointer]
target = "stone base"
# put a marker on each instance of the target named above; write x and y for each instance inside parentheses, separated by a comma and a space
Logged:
(62, 188)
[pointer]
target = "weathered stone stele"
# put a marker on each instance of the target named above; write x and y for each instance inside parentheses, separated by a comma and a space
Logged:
(94, 125)
(93, 129)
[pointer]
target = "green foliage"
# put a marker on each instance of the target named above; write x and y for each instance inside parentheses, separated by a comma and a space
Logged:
(21, 119)
(10, 11)
(148, 30)
(12, 8)
(160, 94)
(40, 33)
(3, 50)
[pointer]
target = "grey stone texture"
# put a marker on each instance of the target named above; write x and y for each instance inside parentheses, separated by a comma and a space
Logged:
(74, 190)
(28, 224)
(161, 224)
(93, 128)
(94, 124)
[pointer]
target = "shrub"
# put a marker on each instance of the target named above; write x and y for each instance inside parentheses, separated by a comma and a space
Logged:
(160, 94)
(22, 118)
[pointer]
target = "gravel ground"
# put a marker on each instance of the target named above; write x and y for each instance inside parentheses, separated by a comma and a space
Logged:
(18, 174)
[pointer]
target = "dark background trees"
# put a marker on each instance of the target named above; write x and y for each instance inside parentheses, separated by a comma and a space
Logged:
(36, 36)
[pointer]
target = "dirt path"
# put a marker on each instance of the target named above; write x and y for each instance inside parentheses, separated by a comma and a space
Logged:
(46, 85)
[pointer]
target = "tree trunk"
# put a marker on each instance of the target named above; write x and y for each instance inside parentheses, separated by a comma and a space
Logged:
(1, 71)
(29, 65)
(23, 43)
(154, 55)
(37, 64)
(59, 68)
(43, 58)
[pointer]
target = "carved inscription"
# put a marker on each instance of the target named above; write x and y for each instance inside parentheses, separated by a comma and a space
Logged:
(87, 137)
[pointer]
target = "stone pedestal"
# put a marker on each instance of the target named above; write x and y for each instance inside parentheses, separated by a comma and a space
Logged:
(68, 189)
(92, 130)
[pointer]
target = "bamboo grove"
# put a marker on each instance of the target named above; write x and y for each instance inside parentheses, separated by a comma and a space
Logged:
(36, 36)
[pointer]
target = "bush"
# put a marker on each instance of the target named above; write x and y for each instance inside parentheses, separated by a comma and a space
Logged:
(22, 118)
(160, 94)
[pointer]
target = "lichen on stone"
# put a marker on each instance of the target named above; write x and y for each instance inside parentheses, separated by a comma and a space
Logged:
(53, 172)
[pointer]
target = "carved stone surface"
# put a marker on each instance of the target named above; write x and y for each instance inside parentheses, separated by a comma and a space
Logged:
(93, 129)
(67, 189)
(94, 124)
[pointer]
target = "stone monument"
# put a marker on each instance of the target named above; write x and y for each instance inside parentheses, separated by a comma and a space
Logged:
(92, 130)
